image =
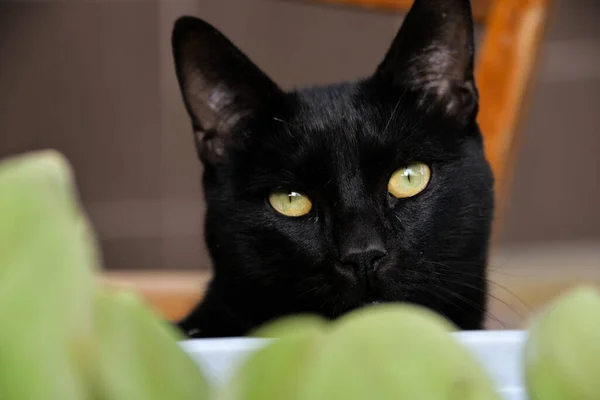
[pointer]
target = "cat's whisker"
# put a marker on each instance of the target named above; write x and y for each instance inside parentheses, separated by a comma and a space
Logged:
(442, 278)
(490, 295)
(501, 271)
(442, 289)
(488, 280)
(420, 288)
(520, 300)
(394, 111)
(286, 123)
(312, 290)
(491, 268)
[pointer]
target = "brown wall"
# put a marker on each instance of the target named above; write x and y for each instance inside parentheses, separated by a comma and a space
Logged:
(556, 193)
(95, 80)
(82, 77)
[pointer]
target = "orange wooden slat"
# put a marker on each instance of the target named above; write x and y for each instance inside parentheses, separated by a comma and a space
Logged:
(480, 7)
(172, 293)
(504, 72)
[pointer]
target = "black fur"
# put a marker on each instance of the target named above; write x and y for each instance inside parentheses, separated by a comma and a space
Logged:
(340, 144)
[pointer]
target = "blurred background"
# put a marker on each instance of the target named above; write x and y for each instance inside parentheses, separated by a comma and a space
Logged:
(95, 80)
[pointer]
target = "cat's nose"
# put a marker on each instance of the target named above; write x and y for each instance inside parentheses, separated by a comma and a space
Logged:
(363, 257)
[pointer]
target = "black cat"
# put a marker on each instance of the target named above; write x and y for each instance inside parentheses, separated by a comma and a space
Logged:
(326, 199)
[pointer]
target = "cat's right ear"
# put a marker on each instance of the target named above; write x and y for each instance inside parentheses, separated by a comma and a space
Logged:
(433, 55)
(219, 84)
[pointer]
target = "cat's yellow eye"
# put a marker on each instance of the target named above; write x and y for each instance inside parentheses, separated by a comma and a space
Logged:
(409, 181)
(291, 204)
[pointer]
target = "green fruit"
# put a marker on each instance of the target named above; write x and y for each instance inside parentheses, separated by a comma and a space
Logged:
(562, 353)
(277, 371)
(46, 262)
(395, 352)
(138, 356)
(292, 325)
(381, 352)
(59, 340)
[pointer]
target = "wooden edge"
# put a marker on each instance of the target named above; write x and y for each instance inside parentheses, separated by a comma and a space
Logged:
(171, 294)
(506, 66)
(512, 297)
(480, 7)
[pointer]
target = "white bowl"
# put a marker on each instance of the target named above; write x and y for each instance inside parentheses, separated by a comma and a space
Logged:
(500, 353)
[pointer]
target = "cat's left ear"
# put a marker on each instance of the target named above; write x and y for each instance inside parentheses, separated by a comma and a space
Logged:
(220, 85)
(433, 55)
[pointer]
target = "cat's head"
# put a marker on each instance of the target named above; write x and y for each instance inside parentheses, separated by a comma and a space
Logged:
(325, 199)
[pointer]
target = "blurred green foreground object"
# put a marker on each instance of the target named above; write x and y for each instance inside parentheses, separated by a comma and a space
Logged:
(562, 355)
(61, 337)
(385, 352)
